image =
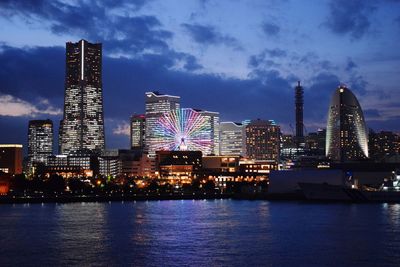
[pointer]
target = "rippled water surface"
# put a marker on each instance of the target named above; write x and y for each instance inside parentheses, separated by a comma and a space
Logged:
(200, 233)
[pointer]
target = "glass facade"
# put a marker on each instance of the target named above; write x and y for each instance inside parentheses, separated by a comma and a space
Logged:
(40, 141)
(232, 139)
(82, 126)
(263, 140)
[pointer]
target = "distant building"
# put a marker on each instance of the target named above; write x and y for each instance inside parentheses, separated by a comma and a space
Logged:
(383, 144)
(346, 133)
(11, 158)
(40, 141)
(263, 140)
(232, 139)
(82, 126)
(156, 105)
(299, 106)
(315, 143)
(138, 132)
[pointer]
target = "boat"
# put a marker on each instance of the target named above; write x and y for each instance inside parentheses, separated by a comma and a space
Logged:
(388, 192)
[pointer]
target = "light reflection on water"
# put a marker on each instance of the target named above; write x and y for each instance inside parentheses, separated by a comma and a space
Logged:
(200, 233)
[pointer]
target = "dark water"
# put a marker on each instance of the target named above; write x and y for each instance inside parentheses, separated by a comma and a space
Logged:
(200, 233)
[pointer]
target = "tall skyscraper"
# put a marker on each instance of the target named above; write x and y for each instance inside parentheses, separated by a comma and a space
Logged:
(263, 140)
(40, 141)
(299, 103)
(82, 127)
(232, 139)
(346, 133)
(138, 131)
(156, 105)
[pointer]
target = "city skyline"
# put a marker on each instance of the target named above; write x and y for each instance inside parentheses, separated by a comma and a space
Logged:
(261, 86)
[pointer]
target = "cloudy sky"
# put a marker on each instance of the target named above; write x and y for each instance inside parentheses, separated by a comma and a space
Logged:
(240, 58)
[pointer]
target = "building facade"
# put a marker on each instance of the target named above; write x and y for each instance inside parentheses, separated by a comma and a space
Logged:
(138, 132)
(156, 105)
(263, 140)
(11, 158)
(346, 132)
(232, 139)
(82, 126)
(299, 106)
(40, 141)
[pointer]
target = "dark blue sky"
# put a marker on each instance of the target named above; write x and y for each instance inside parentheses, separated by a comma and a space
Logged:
(240, 58)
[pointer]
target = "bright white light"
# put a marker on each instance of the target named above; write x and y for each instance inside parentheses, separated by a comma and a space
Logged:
(82, 59)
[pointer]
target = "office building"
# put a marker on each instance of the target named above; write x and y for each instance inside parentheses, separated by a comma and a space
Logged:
(263, 140)
(40, 141)
(82, 127)
(11, 158)
(156, 105)
(138, 132)
(232, 139)
(346, 133)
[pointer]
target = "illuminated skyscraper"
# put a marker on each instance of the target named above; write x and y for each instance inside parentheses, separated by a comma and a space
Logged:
(346, 134)
(138, 130)
(156, 105)
(263, 140)
(82, 126)
(40, 141)
(232, 139)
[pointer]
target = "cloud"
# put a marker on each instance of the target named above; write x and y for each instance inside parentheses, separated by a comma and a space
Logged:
(208, 35)
(271, 29)
(350, 17)
(105, 21)
(15, 107)
(122, 129)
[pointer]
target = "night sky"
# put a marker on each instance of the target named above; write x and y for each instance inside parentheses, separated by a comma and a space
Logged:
(240, 58)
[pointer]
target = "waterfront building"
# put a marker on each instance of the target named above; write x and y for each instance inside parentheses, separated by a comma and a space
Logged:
(221, 164)
(156, 105)
(11, 158)
(299, 108)
(82, 126)
(138, 132)
(40, 141)
(346, 133)
(178, 167)
(263, 140)
(232, 139)
(109, 163)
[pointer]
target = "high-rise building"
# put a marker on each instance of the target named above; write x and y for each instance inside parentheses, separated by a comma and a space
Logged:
(40, 141)
(156, 105)
(346, 133)
(299, 104)
(263, 140)
(11, 158)
(138, 131)
(82, 126)
(232, 139)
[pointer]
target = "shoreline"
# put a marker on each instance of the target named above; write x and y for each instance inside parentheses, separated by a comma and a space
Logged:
(148, 197)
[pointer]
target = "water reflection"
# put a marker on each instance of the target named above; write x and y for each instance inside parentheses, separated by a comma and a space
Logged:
(200, 233)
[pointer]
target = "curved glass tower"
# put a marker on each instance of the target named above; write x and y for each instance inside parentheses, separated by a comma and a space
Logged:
(346, 134)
